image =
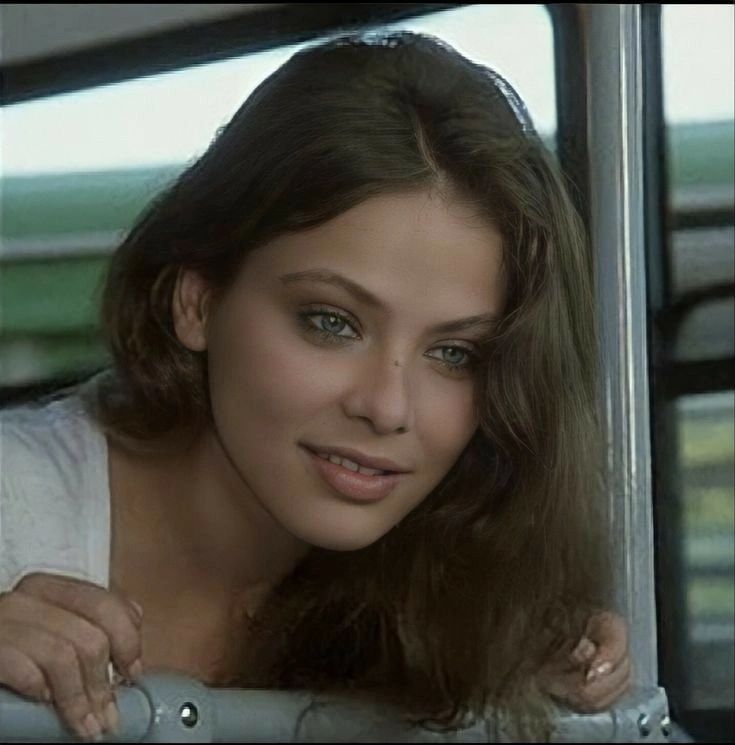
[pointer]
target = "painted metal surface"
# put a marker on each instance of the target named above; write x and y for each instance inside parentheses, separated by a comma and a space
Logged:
(166, 707)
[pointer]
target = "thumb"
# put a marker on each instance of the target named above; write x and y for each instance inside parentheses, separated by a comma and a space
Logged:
(609, 632)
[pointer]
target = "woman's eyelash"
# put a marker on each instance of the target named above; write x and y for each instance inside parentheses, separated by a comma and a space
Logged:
(471, 359)
(308, 325)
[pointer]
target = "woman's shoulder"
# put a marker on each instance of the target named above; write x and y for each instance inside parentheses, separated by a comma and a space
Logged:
(50, 430)
(53, 490)
(53, 437)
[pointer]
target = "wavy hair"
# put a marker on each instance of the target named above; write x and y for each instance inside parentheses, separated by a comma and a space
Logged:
(455, 610)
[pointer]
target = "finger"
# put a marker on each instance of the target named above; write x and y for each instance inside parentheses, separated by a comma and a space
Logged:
(56, 658)
(92, 646)
(602, 666)
(584, 651)
(107, 610)
(21, 674)
(63, 588)
(607, 699)
(606, 689)
(572, 690)
(605, 682)
(93, 651)
(610, 633)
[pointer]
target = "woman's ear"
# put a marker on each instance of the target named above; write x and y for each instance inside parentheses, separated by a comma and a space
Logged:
(190, 309)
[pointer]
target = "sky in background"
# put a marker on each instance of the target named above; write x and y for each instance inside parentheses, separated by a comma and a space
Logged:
(172, 118)
(698, 62)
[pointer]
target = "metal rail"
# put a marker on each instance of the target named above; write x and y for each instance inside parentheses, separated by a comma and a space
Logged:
(615, 138)
(167, 707)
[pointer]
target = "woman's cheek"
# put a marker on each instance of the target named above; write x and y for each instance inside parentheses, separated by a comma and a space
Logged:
(454, 419)
(271, 371)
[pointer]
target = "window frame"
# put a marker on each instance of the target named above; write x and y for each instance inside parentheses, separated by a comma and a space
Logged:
(253, 30)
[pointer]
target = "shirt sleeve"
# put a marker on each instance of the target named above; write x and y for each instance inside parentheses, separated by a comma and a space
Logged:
(46, 519)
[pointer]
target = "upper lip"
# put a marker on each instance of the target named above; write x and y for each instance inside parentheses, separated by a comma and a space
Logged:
(368, 461)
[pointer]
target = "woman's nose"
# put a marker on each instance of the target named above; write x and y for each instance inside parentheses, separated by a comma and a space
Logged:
(380, 394)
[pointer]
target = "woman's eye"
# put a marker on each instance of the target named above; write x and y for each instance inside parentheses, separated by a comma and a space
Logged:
(455, 357)
(332, 327)
(328, 325)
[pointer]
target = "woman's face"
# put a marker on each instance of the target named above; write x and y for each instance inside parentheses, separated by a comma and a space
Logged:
(329, 339)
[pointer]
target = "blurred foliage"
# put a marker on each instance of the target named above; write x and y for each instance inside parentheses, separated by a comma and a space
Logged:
(706, 441)
(711, 507)
(36, 300)
(701, 154)
(69, 203)
(711, 597)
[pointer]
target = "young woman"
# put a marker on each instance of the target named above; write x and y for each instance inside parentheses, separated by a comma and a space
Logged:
(348, 440)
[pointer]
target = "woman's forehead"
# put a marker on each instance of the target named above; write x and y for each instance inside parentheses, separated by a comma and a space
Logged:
(398, 245)
(418, 230)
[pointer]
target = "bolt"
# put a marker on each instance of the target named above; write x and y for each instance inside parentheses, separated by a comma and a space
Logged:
(665, 726)
(189, 715)
(643, 725)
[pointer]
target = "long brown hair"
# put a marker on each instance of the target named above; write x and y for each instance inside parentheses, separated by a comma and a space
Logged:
(460, 604)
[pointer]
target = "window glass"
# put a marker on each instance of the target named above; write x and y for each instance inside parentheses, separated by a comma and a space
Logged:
(70, 191)
(698, 102)
(708, 332)
(707, 450)
(703, 256)
(700, 134)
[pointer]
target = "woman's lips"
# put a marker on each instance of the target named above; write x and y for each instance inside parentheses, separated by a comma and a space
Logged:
(353, 484)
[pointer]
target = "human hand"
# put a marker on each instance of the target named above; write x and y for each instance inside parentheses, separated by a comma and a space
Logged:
(57, 635)
(597, 672)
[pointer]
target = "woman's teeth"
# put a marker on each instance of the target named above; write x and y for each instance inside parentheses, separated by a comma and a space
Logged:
(351, 465)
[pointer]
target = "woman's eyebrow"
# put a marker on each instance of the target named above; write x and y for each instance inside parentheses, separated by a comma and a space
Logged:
(484, 320)
(325, 276)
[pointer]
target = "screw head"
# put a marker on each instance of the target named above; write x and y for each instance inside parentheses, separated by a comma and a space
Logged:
(644, 725)
(665, 726)
(188, 714)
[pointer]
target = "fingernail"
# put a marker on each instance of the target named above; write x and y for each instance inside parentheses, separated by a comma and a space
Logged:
(138, 609)
(46, 695)
(113, 719)
(136, 669)
(599, 671)
(584, 650)
(92, 728)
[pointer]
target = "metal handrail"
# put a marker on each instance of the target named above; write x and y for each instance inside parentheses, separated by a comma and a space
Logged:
(168, 707)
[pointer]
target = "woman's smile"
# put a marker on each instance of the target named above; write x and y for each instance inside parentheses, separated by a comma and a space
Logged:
(351, 480)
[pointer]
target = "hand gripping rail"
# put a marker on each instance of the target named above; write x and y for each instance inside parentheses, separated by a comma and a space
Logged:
(167, 707)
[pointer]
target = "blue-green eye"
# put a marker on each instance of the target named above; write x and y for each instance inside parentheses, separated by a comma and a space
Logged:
(327, 324)
(456, 358)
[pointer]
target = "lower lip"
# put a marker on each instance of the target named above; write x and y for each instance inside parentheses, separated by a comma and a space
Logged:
(354, 484)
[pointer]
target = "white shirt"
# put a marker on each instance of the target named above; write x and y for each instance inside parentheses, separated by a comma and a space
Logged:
(54, 491)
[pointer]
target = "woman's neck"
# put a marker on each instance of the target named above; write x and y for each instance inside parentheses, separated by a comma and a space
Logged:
(193, 547)
(192, 517)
